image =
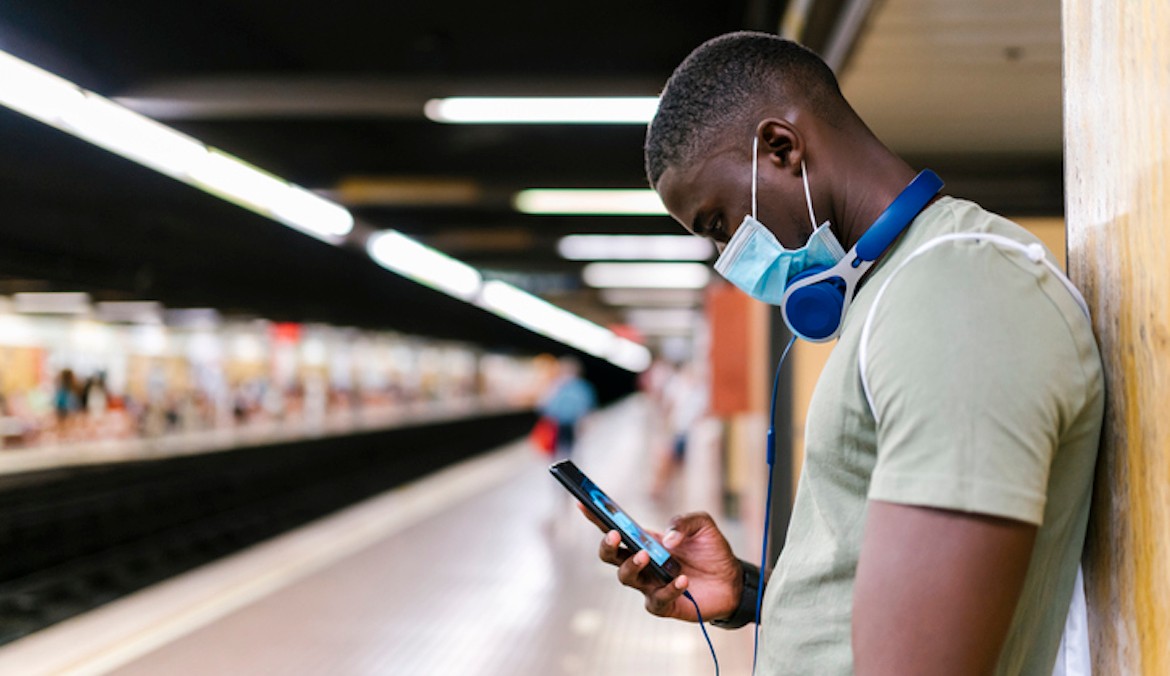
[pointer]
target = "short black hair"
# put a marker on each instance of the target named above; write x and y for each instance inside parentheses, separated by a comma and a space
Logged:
(723, 80)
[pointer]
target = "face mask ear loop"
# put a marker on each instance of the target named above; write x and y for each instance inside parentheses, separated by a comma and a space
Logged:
(807, 195)
(755, 166)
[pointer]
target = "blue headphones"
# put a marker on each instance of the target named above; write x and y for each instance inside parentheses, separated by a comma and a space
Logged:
(815, 301)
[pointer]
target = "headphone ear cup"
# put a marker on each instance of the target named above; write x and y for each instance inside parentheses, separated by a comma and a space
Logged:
(813, 312)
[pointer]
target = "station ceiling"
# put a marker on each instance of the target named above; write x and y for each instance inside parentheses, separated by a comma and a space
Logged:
(331, 95)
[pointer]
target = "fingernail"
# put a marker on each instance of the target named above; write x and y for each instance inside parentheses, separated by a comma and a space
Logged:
(612, 538)
(672, 538)
(641, 558)
(680, 582)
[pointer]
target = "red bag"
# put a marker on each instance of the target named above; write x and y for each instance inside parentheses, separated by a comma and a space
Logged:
(544, 435)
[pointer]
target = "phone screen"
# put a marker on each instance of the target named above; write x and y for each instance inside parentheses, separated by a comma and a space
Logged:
(608, 512)
(657, 552)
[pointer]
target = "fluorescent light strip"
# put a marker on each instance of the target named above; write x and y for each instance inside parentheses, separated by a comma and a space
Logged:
(635, 248)
(658, 321)
(630, 355)
(547, 319)
(646, 275)
(653, 297)
(673, 318)
(410, 258)
(589, 201)
(59, 103)
(542, 110)
(57, 303)
(141, 312)
(93, 118)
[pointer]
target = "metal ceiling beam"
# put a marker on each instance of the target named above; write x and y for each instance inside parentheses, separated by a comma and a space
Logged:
(830, 28)
(346, 96)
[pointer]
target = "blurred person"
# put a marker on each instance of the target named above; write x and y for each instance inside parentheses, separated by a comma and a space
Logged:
(569, 400)
(94, 395)
(944, 495)
(93, 402)
(685, 397)
(66, 399)
(653, 380)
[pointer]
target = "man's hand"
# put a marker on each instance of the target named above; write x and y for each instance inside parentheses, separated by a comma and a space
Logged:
(709, 569)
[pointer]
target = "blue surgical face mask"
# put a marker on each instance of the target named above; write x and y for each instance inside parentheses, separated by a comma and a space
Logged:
(756, 262)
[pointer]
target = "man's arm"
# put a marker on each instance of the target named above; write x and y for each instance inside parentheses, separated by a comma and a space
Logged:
(936, 589)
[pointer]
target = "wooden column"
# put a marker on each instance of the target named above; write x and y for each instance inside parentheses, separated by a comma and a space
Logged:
(1117, 159)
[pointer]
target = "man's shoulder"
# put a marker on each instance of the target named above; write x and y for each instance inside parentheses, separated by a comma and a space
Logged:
(953, 215)
(957, 238)
(974, 284)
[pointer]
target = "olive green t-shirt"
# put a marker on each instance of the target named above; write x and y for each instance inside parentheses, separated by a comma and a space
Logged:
(987, 397)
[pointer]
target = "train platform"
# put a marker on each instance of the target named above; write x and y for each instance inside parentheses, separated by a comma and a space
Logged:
(47, 457)
(481, 568)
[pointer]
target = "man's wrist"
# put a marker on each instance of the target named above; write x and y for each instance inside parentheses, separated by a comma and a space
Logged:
(745, 610)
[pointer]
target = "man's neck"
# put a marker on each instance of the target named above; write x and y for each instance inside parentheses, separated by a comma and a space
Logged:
(864, 187)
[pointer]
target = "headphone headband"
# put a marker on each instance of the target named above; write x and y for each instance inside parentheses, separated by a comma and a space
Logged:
(815, 301)
(901, 212)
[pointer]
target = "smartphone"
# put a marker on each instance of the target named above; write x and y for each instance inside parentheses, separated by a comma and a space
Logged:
(608, 512)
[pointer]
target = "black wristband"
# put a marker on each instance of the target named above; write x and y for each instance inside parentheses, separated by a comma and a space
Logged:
(745, 612)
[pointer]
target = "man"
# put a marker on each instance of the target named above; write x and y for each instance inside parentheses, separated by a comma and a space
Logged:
(951, 439)
(570, 399)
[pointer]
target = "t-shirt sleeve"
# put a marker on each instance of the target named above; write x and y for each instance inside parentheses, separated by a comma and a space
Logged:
(971, 370)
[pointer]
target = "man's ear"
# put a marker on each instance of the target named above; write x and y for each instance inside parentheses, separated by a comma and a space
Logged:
(781, 144)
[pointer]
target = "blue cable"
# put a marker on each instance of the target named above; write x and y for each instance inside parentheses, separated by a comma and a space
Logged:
(703, 626)
(770, 455)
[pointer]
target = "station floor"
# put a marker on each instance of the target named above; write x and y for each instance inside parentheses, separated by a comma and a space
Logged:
(484, 568)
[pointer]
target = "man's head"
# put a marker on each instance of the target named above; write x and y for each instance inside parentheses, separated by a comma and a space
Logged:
(729, 90)
(723, 83)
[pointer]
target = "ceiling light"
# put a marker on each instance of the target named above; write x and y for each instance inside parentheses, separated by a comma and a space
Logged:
(630, 355)
(237, 181)
(633, 202)
(136, 312)
(35, 92)
(658, 321)
(542, 110)
(652, 297)
(635, 248)
(545, 318)
(412, 259)
(126, 133)
(86, 115)
(193, 318)
(98, 120)
(67, 303)
(312, 214)
(646, 275)
(549, 320)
